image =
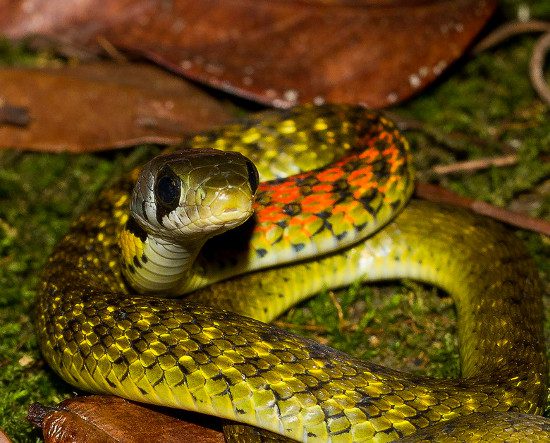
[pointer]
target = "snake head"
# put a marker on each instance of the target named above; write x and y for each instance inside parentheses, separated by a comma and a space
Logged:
(194, 194)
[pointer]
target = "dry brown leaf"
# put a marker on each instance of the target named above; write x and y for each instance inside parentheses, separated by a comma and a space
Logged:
(101, 106)
(99, 418)
(3, 437)
(376, 52)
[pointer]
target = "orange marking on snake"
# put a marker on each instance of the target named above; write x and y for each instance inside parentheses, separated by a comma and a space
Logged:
(295, 221)
(303, 224)
(286, 192)
(394, 159)
(293, 206)
(362, 178)
(331, 175)
(316, 203)
(323, 187)
(371, 154)
(345, 210)
(271, 213)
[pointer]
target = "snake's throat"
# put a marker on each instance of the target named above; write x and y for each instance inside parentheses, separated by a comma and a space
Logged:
(160, 266)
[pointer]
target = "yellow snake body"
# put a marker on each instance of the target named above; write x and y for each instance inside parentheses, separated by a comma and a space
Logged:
(99, 337)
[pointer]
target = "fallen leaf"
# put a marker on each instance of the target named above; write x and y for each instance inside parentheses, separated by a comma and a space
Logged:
(4, 438)
(98, 418)
(101, 106)
(376, 52)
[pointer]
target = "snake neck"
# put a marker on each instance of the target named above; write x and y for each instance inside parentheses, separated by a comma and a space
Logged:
(153, 264)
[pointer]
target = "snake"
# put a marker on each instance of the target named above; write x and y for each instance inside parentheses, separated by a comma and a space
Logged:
(255, 216)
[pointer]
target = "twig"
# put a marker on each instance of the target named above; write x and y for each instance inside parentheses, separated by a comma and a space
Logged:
(536, 64)
(339, 310)
(508, 30)
(111, 50)
(313, 328)
(536, 67)
(474, 165)
(441, 195)
(405, 123)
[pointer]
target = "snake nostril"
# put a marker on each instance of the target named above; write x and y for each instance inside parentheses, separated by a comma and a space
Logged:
(253, 177)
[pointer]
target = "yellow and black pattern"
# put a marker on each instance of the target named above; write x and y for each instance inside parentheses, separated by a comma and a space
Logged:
(178, 353)
(132, 245)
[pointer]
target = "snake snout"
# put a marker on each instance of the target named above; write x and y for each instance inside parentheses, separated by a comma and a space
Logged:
(230, 203)
(226, 195)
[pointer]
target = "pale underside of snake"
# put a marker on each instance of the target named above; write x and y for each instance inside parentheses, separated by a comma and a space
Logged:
(326, 226)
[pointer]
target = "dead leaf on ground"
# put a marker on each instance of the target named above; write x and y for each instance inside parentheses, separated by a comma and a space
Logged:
(376, 52)
(4, 438)
(99, 418)
(101, 106)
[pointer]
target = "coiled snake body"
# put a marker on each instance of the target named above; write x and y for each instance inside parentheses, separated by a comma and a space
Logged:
(178, 353)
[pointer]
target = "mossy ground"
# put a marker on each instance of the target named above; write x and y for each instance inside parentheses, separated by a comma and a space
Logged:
(484, 107)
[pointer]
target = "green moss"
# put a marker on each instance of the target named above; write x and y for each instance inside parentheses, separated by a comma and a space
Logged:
(408, 327)
(39, 194)
(485, 107)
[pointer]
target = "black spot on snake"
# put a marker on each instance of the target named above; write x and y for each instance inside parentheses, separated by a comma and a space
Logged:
(133, 227)
(292, 209)
(143, 391)
(282, 224)
(341, 236)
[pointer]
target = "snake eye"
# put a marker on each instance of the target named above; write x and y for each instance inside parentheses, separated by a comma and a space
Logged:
(253, 177)
(168, 188)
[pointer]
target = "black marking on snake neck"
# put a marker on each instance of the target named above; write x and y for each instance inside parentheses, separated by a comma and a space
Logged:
(133, 226)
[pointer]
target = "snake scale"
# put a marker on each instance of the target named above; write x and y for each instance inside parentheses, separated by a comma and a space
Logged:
(212, 352)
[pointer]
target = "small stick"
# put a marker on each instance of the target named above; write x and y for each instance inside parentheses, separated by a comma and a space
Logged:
(474, 165)
(438, 194)
(339, 310)
(111, 50)
(536, 64)
(536, 67)
(313, 328)
(508, 30)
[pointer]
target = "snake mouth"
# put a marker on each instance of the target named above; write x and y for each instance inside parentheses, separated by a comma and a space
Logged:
(226, 196)
(230, 206)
